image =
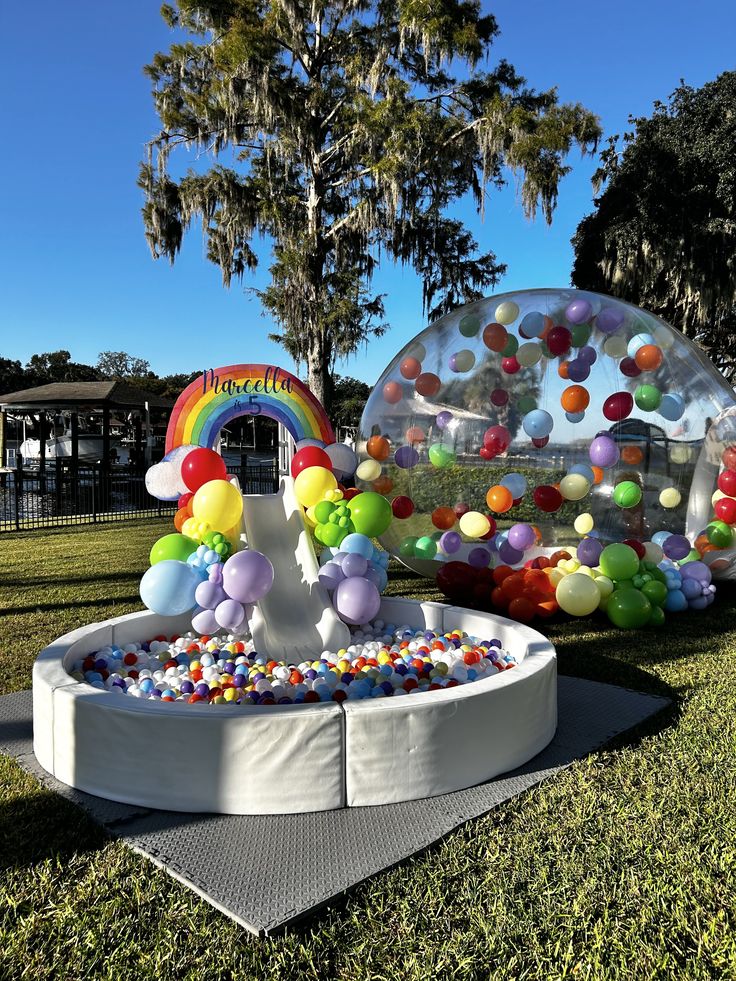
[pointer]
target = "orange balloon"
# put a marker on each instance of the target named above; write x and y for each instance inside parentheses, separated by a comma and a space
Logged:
(498, 598)
(548, 325)
(575, 398)
(410, 368)
(180, 517)
(501, 572)
(649, 357)
(631, 455)
(499, 499)
(513, 586)
(415, 435)
(427, 384)
(378, 447)
(383, 484)
(443, 518)
(495, 337)
(562, 369)
(392, 392)
(547, 609)
(558, 556)
(597, 474)
(522, 609)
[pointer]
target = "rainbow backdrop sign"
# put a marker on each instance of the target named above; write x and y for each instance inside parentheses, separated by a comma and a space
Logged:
(222, 394)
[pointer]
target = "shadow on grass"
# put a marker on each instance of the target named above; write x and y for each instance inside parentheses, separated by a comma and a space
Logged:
(64, 580)
(62, 604)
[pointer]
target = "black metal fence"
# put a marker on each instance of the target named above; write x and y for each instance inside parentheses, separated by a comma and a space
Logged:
(90, 494)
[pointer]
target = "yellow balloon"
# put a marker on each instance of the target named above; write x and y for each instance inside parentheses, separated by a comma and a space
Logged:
(574, 486)
(615, 347)
(556, 575)
(585, 570)
(368, 470)
(717, 495)
(233, 536)
(584, 523)
(605, 586)
(195, 528)
(529, 354)
(219, 503)
(680, 454)
(313, 484)
(473, 524)
(670, 497)
(310, 518)
(506, 313)
(578, 595)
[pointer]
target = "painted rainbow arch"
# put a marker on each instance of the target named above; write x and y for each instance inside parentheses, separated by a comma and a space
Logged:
(221, 394)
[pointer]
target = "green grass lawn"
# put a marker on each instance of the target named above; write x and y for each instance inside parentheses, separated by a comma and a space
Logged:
(623, 866)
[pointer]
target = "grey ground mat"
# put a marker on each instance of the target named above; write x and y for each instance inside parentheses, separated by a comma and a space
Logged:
(264, 898)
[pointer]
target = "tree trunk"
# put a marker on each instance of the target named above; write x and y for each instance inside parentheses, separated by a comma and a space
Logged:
(319, 377)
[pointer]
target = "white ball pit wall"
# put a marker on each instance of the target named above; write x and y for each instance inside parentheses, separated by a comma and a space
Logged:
(285, 759)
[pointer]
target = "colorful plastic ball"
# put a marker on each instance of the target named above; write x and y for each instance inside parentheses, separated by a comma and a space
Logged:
(410, 368)
(559, 340)
(676, 547)
(648, 357)
(725, 510)
(406, 457)
(172, 546)
(618, 406)
(637, 341)
(609, 319)
(578, 595)
(510, 365)
(628, 608)
(450, 542)
(443, 518)
(727, 482)
(443, 419)
(313, 484)
(310, 456)
(495, 337)
(516, 483)
(589, 551)
(462, 361)
(506, 312)
(201, 466)
(619, 561)
(538, 423)
(574, 487)
(719, 534)
(392, 392)
(529, 354)
(469, 325)
(378, 447)
(427, 384)
(247, 576)
(670, 497)
(672, 407)
(627, 494)
(548, 498)
(402, 507)
(584, 523)
(648, 398)
(473, 524)
(441, 456)
(498, 499)
(603, 451)
(370, 513)
(629, 367)
(368, 470)
(499, 397)
(575, 398)
(168, 587)
(521, 537)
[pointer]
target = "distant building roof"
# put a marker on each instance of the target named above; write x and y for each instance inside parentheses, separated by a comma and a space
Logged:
(87, 395)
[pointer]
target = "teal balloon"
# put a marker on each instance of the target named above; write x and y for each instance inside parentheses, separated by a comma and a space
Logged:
(168, 587)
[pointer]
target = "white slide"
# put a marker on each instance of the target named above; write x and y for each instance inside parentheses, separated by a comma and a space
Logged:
(296, 619)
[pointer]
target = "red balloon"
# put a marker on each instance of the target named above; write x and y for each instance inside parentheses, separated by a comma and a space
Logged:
(559, 340)
(725, 509)
(630, 368)
(486, 453)
(351, 492)
(510, 365)
(455, 579)
(184, 500)
(540, 441)
(727, 482)
(499, 396)
(402, 507)
(460, 509)
(310, 456)
(547, 498)
(201, 466)
(491, 531)
(497, 438)
(729, 458)
(636, 545)
(618, 406)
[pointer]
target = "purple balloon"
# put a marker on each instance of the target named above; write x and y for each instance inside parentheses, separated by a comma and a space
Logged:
(443, 419)
(354, 565)
(589, 551)
(247, 576)
(450, 542)
(479, 558)
(372, 574)
(676, 547)
(579, 311)
(330, 575)
(696, 570)
(204, 622)
(588, 354)
(609, 320)
(508, 554)
(691, 588)
(603, 451)
(230, 614)
(357, 600)
(208, 594)
(406, 457)
(578, 370)
(521, 537)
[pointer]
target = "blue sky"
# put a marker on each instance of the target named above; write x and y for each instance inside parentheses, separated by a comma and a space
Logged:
(75, 271)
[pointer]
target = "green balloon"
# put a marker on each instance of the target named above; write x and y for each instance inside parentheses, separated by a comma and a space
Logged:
(657, 617)
(655, 592)
(370, 513)
(627, 494)
(719, 534)
(629, 608)
(441, 456)
(469, 325)
(648, 397)
(406, 546)
(512, 346)
(323, 510)
(581, 334)
(619, 561)
(425, 547)
(173, 546)
(330, 534)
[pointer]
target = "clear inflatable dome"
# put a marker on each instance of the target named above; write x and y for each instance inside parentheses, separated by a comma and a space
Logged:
(528, 420)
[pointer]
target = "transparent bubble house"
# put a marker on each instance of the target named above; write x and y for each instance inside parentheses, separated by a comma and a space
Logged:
(563, 412)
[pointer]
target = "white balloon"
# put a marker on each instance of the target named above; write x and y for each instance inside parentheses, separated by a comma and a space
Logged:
(344, 460)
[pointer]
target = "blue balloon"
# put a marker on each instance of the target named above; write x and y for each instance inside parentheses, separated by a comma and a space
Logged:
(575, 416)
(538, 423)
(585, 470)
(357, 544)
(168, 587)
(660, 537)
(516, 483)
(532, 324)
(672, 407)
(676, 601)
(637, 341)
